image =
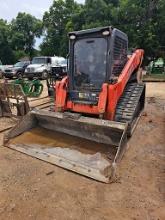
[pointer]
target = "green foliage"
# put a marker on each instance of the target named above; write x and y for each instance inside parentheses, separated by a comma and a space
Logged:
(6, 53)
(56, 23)
(142, 20)
(19, 54)
(17, 39)
(24, 29)
(139, 20)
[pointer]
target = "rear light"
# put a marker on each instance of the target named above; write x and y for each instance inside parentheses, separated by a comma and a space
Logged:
(106, 33)
(72, 37)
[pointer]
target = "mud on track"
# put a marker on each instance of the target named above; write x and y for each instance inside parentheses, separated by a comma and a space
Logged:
(31, 189)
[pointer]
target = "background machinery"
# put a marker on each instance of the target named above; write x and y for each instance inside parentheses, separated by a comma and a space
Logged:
(97, 107)
(31, 88)
(16, 71)
(13, 101)
(157, 66)
(58, 72)
(155, 71)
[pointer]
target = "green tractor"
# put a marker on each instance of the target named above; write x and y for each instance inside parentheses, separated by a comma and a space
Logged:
(155, 71)
(157, 66)
(32, 88)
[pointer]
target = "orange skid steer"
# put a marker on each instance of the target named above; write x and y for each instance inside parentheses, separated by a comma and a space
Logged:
(97, 107)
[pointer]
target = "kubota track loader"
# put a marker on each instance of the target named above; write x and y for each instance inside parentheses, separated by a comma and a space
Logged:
(96, 107)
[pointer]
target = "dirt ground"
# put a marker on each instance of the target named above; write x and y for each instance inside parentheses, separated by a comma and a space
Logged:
(31, 189)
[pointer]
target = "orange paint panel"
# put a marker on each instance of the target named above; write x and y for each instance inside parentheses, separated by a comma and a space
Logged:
(90, 109)
(109, 94)
(103, 99)
(61, 94)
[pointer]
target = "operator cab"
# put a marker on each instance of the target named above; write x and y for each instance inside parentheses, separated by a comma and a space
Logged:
(95, 56)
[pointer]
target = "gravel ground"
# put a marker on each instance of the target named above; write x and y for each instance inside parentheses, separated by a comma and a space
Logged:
(31, 189)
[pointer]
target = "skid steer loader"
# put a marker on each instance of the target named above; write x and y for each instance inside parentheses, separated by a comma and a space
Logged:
(97, 107)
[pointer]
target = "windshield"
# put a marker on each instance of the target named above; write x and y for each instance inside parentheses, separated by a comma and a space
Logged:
(59, 62)
(90, 62)
(63, 62)
(19, 64)
(39, 61)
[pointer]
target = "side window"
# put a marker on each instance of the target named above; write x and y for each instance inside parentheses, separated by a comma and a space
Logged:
(49, 60)
(120, 55)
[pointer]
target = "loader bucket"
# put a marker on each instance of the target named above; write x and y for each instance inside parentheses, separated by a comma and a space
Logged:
(88, 146)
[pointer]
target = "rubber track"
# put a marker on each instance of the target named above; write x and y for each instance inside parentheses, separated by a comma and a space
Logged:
(126, 110)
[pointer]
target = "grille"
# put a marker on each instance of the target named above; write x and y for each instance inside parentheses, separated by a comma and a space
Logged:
(119, 55)
(57, 70)
(8, 71)
(29, 70)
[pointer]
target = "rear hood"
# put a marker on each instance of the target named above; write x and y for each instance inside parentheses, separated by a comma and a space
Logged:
(13, 68)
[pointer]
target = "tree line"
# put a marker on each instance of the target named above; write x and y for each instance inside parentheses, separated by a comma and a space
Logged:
(142, 20)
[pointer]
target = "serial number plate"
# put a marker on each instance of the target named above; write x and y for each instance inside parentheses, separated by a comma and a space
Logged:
(82, 95)
(86, 95)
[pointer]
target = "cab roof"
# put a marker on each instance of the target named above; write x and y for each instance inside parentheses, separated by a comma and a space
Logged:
(91, 31)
